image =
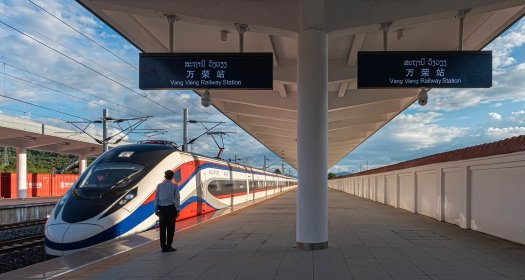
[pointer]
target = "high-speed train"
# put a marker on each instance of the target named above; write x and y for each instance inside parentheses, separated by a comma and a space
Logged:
(114, 197)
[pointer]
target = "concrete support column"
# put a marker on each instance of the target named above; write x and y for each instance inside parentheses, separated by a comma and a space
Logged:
(82, 163)
(21, 171)
(312, 138)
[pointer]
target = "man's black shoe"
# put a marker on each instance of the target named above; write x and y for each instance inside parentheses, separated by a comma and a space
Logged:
(171, 249)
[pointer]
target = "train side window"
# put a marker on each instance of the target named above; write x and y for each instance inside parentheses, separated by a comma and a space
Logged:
(177, 176)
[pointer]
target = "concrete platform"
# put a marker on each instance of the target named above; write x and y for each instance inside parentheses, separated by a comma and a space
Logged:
(19, 202)
(367, 240)
(21, 210)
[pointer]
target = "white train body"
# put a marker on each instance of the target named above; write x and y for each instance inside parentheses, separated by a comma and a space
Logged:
(121, 203)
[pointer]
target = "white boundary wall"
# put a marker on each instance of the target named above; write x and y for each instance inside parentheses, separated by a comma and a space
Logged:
(483, 194)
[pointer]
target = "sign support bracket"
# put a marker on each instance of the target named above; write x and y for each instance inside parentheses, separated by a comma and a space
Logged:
(462, 14)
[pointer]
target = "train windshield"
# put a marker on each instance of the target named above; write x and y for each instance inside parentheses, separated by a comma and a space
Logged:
(109, 175)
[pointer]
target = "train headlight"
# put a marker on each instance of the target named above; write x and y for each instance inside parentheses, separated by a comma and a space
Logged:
(129, 196)
(123, 201)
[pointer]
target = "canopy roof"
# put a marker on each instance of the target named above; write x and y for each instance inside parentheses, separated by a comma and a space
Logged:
(17, 132)
(274, 25)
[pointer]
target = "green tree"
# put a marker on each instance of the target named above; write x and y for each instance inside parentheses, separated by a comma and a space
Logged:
(331, 175)
(37, 161)
(277, 171)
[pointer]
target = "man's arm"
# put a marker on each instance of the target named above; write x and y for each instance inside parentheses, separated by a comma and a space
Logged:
(157, 200)
(177, 197)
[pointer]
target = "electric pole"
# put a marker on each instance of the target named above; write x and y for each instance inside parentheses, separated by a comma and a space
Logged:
(282, 162)
(264, 162)
(105, 120)
(105, 117)
(185, 131)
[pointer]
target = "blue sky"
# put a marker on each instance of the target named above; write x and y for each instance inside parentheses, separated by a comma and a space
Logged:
(452, 119)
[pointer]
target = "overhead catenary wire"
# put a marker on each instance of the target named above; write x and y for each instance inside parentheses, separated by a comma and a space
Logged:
(102, 74)
(69, 49)
(123, 60)
(43, 107)
(85, 36)
(36, 114)
(88, 67)
(57, 91)
(85, 92)
(76, 30)
(75, 89)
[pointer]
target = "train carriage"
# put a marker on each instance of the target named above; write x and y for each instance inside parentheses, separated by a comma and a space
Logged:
(114, 197)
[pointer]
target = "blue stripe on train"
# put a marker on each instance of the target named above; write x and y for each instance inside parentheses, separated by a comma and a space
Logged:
(139, 215)
(130, 222)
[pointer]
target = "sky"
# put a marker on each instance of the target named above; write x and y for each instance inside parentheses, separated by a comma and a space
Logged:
(72, 68)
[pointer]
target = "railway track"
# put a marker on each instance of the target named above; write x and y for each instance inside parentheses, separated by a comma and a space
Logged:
(20, 243)
(22, 224)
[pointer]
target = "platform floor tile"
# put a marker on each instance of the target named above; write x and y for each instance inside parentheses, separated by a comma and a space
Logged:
(367, 240)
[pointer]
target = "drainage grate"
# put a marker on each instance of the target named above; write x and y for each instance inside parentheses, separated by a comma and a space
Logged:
(420, 235)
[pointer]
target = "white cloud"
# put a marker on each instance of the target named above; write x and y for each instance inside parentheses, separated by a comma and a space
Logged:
(518, 117)
(507, 87)
(503, 46)
(420, 131)
(508, 82)
(494, 116)
(496, 133)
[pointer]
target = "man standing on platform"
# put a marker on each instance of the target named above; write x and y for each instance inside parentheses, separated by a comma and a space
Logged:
(167, 203)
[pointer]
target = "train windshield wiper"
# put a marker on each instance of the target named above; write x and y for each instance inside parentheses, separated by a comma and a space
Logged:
(127, 178)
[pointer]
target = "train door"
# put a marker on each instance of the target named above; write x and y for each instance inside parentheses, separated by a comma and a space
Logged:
(197, 183)
(249, 179)
(202, 192)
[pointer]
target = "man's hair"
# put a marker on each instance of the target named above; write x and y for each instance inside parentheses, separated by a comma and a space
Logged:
(168, 174)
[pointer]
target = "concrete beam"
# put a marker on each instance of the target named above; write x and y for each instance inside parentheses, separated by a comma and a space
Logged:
(253, 111)
(251, 121)
(359, 111)
(369, 119)
(352, 130)
(259, 98)
(267, 45)
(367, 98)
(357, 44)
(274, 131)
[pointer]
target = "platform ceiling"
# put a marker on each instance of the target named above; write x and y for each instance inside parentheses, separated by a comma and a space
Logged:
(17, 132)
(274, 25)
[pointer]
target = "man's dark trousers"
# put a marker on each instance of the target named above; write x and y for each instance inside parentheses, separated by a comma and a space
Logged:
(167, 225)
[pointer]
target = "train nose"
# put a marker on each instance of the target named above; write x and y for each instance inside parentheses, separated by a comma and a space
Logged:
(63, 239)
(79, 232)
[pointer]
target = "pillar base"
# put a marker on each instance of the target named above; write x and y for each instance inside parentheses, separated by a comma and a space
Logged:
(311, 246)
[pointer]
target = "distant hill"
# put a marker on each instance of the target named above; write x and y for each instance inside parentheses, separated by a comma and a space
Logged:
(38, 162)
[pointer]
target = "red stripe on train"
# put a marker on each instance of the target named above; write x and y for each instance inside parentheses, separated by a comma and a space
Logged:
(193, 209)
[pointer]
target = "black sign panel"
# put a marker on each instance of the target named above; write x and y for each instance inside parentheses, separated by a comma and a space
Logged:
(206, 71)
(459, 69)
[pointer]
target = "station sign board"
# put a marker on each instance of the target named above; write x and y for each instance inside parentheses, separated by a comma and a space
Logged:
(428, 69)
(205, 71)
